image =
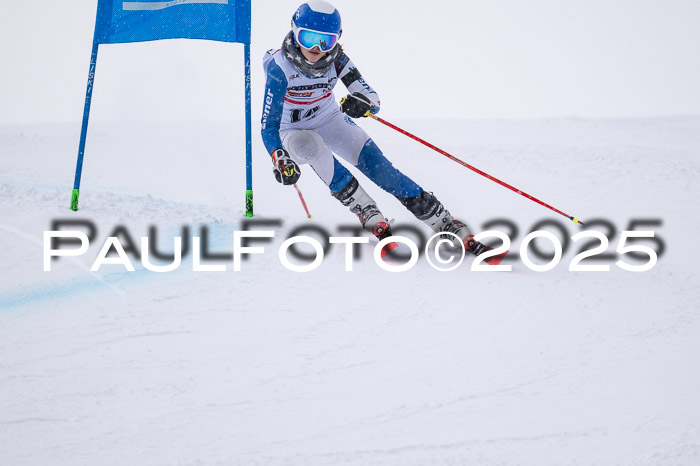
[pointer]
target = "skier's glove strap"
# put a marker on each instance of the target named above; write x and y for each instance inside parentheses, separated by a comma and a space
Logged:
(356, 105)
(286, 170)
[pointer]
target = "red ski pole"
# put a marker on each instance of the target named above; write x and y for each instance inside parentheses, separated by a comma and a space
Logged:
(464, 164)
(308, 215)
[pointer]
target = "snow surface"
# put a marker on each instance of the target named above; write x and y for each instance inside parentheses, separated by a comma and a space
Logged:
(268, 366)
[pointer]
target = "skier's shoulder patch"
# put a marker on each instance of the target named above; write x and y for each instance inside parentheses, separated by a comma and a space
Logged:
(269, 56)
(341, 61)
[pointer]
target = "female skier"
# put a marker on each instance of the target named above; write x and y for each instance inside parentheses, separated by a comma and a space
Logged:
(302, 124)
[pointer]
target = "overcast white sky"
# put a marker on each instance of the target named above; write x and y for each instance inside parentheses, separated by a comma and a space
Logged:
(475, 59)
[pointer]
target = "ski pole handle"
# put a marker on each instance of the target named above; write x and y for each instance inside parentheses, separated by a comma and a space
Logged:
(367, 113)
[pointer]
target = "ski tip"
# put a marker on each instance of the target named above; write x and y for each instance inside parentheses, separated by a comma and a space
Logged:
(495, 260)
(387, 249)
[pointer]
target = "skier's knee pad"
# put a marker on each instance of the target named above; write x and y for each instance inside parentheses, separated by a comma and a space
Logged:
(306, 146)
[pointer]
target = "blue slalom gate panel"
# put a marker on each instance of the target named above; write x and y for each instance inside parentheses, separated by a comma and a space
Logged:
(120, 21)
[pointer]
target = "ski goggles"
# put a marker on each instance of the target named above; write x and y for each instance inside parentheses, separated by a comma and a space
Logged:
(309, 39)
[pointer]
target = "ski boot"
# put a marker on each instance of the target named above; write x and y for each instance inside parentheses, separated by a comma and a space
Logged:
(428, 209)
(470, 244)
(362, 205)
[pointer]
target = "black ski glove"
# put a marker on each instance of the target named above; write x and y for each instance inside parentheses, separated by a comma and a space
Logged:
(356, 105)
(286, 170)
